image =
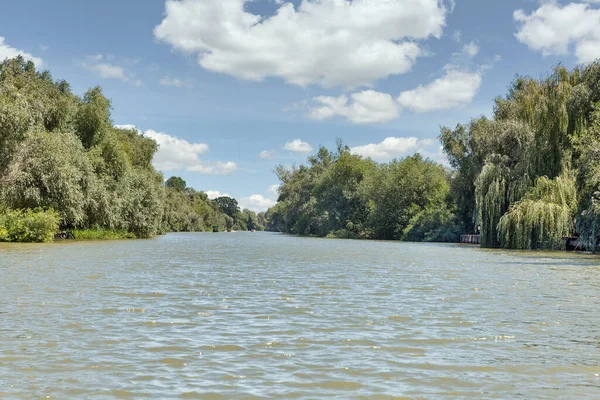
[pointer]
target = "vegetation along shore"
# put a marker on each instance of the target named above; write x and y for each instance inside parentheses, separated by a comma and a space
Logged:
(526, 178)
(65, 167)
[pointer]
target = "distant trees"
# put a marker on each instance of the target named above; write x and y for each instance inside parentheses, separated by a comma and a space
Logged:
(228, 206)
(176, 183)
(344, 195)
(526, 177)
(64, 165)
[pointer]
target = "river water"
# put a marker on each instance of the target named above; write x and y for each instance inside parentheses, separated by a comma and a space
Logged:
(260, 315)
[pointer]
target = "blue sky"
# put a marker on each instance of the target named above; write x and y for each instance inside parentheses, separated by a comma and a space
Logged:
(232, 88)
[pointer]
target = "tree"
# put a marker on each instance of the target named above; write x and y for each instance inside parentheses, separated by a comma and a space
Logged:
(49, 171)
(543, 217)
(228, 206)
(92, 120)
(176, 183)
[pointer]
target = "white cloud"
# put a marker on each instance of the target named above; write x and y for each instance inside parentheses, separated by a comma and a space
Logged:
(266, 154)
(256, 203)
(168, 81)
(395, 147)
(391, 147)
(100, 65)
(217, 168)
(327, 42)
(7, 51)
(274, 189)
(454, 89)
(298, 146)
(175, 154)
(300, 105)
(553, 28)
(471, 49)
(213, 194)
(366, 107)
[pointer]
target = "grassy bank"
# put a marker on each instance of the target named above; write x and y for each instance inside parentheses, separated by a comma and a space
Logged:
(101, 234)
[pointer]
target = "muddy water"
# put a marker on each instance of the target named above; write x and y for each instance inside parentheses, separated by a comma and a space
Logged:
(260, 315)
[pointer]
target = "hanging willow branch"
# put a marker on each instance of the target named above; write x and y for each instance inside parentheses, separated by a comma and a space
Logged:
(490, 193)
(588, 225)
(542, 218)
(495, 190)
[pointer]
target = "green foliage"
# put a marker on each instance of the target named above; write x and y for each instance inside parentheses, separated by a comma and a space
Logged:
(343, 195)
(228, 206)
(588, 224)
(92, 120)
(433, 224)
(49, 170)
(28, 225)
(400, 191)
(101, 234)
(61, 152)
(176, 183)
(542, 218)
(508, 171)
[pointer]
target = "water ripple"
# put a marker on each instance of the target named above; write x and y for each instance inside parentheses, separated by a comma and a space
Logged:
(220, 316)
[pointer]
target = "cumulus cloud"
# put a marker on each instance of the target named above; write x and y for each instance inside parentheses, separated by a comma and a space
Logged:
(175, 154)
(274, 189)
(266, 154)
(7, 51)
(327, 42)
(455, 88)
(366, 107)
(257, 203)
(395, 147)
(298, 146)
(471, 49)
(553, 28)
(389, 148)
(100, 65)
(213, 194)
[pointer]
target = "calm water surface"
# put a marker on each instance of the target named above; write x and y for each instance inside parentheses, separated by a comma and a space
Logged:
(262, 315)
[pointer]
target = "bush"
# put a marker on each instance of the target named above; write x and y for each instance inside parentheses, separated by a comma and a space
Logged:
(28, 225)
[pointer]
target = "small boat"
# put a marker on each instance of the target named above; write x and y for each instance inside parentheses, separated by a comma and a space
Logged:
(252, 230)
(215, 228)
(229, 230)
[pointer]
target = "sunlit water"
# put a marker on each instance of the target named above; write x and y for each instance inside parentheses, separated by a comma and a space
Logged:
(257, 315)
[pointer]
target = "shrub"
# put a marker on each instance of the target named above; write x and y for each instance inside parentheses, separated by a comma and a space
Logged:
(28, 225)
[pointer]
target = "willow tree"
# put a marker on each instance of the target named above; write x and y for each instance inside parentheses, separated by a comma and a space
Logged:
(543, 217)
(588, 224)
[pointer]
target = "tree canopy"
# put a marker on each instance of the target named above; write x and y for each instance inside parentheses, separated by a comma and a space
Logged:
(61, 156)
(526, 177)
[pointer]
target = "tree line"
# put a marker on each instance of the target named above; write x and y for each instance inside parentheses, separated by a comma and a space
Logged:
(524, 178)
(64, 166)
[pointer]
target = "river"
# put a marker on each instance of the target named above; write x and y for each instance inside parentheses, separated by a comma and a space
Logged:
(261, 315)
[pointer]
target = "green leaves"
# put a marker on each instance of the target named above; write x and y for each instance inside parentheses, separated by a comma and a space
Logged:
(347, 196)
(28, 225)
(92, 120)
(542, 218)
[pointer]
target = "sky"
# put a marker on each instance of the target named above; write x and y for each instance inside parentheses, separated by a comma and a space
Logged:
(232, 88)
